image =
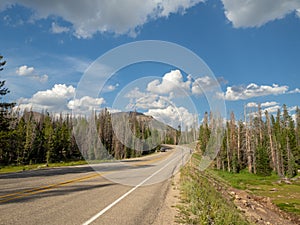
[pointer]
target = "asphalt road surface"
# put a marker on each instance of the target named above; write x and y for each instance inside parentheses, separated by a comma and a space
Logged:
(121, 192)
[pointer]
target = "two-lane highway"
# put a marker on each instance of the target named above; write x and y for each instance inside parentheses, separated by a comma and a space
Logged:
(121, 192)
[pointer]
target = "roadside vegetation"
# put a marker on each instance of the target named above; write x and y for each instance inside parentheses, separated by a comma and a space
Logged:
(19, 168)
(284, 193)
(201, 203)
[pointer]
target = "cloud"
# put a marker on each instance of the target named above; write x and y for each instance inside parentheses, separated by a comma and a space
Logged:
(256, 13)
(202, 84)
(119, 17)
(295, 91)
(293, 108)
(251, 104)
(145, 100)
(110, 87)
(30, 72)
(173, 116)
(272, 109)
(42, 79)
(264, 104)
(25, 70)
(57, 29)
(60, 98)
(252, 90)
(268, 104)
(171, 82)
(54, 99)
(86, 104)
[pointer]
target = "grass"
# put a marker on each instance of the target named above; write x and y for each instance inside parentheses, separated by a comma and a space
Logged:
(18, 168)
(244, 180)
(285, 196)
(201, 203)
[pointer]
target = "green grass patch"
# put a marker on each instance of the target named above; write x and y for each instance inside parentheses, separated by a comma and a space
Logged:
(18, 168)
(202, 204)
(284, 195)
(244, 180)
(290, 207)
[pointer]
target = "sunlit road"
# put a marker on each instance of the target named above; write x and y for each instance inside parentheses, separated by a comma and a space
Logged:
(127, 192)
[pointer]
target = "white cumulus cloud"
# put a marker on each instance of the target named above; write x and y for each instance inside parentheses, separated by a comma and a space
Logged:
(60, 98)
(205, 83)
(172, 82)
(145, 100)
(173, 116)
(86, 104)
(295, 91)
(264, 104)
(54, 99)
(272, 109)
(252, 90)
(89, 17)
(255, 13)
(25, 70)
(30, 72)
(268, 104)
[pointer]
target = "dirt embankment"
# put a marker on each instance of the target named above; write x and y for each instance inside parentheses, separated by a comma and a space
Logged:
(256, 209)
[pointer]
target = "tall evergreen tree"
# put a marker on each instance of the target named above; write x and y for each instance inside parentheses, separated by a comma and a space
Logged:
(6, 134)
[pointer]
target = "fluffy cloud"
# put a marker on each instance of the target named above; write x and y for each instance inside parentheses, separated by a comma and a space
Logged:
(25, 70)
(295, 91)
(268, 104)
(57, 29)
(264, 104)
(272, 109)
(120, 17)
(235, 93)
(205, 83)
(52, 99)
(86, 104)
(171, 82)
(145, 100)
(30, 72)
(173, 116)
(256, 12)
(60, 99)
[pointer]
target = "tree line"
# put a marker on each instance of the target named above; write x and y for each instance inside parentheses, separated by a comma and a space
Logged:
(30, 137)
(261, 143)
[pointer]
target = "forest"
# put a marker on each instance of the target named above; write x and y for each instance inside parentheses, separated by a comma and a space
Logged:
(262, 143)
(28, 137)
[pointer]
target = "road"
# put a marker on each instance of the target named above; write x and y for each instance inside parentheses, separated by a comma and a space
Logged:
(121, 192)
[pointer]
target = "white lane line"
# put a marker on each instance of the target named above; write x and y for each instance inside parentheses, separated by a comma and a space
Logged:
(123, 196)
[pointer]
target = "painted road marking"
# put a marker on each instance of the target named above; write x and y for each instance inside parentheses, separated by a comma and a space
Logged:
(21, 194)
(92, 219)
(148, 162)
(32, 191)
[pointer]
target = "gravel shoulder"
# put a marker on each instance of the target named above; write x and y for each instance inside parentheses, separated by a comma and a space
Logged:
(167, 213)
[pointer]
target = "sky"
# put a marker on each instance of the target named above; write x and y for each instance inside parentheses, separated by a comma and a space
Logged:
(251, 47)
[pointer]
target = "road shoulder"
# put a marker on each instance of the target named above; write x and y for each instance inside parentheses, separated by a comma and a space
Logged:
(167, 213)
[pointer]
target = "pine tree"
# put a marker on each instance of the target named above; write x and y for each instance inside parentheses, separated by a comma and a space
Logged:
(263, 162)
(6, 118)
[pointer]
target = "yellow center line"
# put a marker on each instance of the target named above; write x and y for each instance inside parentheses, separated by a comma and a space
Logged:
(33, 191)
(148, 162)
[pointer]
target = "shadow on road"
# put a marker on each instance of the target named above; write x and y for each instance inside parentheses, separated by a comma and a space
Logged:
(57, 191)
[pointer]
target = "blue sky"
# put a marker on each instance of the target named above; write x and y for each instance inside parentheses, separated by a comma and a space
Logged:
(252, 47)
